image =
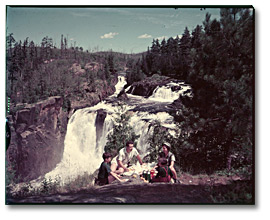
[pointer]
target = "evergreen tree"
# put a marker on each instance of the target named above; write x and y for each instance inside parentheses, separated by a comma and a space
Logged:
(158, 136)
(149, 61)
(221, 109)
(10, 42)
(155, 51)
(195, 38)
(185, 46)
(10, 68)
(121, 133)
(111, 63)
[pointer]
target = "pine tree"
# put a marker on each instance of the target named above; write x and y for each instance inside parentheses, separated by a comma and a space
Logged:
(222, 77)
(10, 42)
(121, 133)
(10, 68)
(185, 46)
(62, 46)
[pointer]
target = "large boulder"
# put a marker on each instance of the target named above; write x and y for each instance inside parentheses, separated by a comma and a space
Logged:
(147, 86)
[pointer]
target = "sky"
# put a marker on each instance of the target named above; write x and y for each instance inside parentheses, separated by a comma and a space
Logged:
(128, 30)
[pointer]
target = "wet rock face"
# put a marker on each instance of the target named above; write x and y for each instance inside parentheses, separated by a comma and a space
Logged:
(101, 115)
(38, 132)
(146, 87)
(142, 90)
(37, 138)
(122, 95)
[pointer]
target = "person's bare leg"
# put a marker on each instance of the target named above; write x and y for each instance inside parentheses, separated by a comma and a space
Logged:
(174, 173)
(110, 179)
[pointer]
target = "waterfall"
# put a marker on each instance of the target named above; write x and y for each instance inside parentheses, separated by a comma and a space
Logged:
(88, 128)
(120, 85)
(83, 151)
(80, 147)
(167, 94)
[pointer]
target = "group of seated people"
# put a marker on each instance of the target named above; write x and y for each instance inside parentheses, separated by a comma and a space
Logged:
(119, 164)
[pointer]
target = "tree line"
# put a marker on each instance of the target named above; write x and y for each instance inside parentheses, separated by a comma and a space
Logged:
(217, 59)
(37, 71)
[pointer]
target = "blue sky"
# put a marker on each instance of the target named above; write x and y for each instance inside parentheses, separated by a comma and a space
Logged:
(120, 29)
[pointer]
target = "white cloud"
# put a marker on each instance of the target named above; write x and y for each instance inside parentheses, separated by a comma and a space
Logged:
(144, 36)
(109, 35)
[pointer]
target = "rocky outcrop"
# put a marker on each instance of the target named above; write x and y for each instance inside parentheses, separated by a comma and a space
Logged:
(122, 95)
(89, 96)
(38, 131)
(37, 138)
(146, 87)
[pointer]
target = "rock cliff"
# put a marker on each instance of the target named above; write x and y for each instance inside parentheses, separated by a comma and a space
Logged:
(38, 132)
(37, 138)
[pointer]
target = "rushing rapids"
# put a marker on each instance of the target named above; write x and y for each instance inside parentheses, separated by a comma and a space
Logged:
(88, 128)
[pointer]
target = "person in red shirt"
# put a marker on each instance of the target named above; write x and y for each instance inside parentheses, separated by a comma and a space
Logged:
(164, 172)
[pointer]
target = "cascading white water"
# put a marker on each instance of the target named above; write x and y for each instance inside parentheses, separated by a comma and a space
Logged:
(80, 145)
(141, 121)
(120, 85)
(165, 93)
(83, 152)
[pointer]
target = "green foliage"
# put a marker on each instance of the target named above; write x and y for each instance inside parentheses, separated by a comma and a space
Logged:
(216, 124)
(244, 172)
(235, 193)
(156, 139)
(82, 181)
(66, 105)
(134, 74)
(50, 186)
(121, 133)
(36, 72)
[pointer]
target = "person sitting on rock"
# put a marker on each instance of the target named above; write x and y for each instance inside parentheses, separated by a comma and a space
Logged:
(166, 147)
(105, 175)
(121, 163)
(164, 172)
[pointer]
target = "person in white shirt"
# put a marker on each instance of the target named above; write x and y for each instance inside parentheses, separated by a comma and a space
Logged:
(120, 163)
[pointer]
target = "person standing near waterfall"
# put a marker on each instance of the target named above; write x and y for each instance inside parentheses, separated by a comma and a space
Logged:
(166, 147)
(124, 157)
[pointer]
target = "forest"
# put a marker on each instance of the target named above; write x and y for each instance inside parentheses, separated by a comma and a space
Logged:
(216, 58)
(38, 71)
